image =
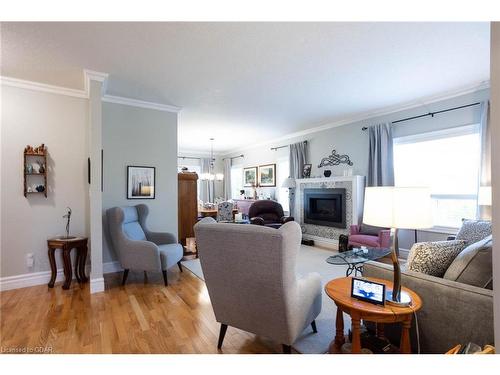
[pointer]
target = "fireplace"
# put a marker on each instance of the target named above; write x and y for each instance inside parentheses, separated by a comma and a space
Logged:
(325, 207)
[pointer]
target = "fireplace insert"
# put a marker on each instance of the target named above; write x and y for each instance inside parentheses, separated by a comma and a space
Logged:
(325, 207)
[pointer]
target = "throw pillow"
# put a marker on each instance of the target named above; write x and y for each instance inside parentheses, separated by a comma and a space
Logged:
(370, 229)
(433, 258)
(474, 230)
(473, 265)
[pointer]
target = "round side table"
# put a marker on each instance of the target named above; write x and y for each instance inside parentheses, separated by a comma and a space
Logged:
(339, 290)
(66, 245)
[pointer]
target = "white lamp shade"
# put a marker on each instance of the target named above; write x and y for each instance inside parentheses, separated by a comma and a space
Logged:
(289, 183)
(398, 207)
(484, 196)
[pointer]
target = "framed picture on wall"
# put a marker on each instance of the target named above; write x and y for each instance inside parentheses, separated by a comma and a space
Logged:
(250, 176)
(267, 175)
(140, 182)
(306, 172)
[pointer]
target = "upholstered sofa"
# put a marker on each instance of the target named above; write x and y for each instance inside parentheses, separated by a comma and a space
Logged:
(457, 307)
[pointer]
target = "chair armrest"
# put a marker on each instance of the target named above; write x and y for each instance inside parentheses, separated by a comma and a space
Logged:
(286, 219)
(384, 238)
(257, 220)
(139, 255)
(354, 229)
(161, 238)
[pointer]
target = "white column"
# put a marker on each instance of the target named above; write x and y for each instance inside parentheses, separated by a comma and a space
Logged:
(94, 84)
(495, 169)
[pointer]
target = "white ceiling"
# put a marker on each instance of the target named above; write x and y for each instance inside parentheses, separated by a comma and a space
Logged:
(245, 83)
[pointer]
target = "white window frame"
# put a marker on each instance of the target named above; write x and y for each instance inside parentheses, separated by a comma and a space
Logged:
(440, 134)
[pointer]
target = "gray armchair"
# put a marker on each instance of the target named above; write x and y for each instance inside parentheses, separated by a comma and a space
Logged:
(137, 247)
(250, 272)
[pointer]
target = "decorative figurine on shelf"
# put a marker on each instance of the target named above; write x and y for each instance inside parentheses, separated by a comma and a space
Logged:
(35, 167)
(68, 216)
(40, 188)
(42, 168)
(29, 169)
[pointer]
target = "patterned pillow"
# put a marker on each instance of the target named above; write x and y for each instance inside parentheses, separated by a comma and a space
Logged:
(433, 258)
(474, 230)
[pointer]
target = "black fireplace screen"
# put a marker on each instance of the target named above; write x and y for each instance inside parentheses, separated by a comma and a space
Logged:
(325, 207)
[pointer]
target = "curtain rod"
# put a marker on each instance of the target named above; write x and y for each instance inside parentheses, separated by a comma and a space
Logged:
(276, 148)
(431, 113)
(188, 157)
(235, 157)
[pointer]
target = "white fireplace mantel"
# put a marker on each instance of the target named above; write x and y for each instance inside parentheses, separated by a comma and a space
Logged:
(355, 186)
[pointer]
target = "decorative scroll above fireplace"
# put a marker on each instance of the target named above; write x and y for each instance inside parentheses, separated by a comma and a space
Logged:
(325, 207)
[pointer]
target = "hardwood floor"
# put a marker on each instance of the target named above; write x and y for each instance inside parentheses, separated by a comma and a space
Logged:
(143, 316)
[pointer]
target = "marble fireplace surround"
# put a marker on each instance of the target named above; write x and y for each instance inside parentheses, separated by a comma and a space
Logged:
(324, 235)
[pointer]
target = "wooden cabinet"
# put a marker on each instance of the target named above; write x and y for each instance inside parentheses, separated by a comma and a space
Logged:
(187, 204)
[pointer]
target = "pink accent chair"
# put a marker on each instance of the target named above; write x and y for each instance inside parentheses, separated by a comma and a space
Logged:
(357, 239)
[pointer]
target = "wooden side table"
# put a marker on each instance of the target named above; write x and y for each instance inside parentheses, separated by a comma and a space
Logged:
(339, 290)
(66, 245)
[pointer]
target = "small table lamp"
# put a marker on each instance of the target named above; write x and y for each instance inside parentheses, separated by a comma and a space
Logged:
(397, 208)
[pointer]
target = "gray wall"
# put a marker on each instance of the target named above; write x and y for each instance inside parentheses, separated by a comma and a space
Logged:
(351, 140)
(142, 137)
(33, 117)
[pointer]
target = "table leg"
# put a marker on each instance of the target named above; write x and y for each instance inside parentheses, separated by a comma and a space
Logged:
(350, 269)
(53, 268)
(68, 273)
(83, 260)
(336, 345)
(405, 346)
(77, 266)
(356, 334)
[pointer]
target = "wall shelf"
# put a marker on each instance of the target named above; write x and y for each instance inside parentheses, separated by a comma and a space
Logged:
(31, 155)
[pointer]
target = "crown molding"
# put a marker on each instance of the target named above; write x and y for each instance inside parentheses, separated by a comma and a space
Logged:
(84, 94)
(43, 87)
(372, 114)
(140, 103)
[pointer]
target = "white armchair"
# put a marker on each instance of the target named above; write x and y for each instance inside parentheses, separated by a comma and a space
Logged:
(250, 272)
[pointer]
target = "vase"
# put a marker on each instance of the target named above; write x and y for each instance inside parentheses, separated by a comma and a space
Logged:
(327, 173)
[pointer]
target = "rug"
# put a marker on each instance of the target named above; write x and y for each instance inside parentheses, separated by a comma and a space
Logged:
(311, 259)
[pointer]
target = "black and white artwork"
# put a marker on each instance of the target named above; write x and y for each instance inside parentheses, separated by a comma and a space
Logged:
(140, 182)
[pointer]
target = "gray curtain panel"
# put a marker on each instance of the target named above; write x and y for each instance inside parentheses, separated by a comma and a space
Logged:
(380, 160)
(298, 157)
(484, 212)
(227, 179)
(205, 186)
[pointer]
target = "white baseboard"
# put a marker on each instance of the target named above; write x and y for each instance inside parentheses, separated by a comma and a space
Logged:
(328, 243)
(40, 278)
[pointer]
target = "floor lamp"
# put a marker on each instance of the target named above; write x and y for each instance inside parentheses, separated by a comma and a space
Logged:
(397, 208)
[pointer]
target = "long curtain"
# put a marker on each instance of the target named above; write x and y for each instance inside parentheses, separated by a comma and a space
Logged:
(298, 157)
(484, 212)
(205, 185)
(380, 161)
(227, 179)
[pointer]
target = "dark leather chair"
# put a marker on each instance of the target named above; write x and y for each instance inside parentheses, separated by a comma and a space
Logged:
(268, 213)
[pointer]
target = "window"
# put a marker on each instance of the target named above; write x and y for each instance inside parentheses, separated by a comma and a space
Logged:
(282, 172)
(236, 181)
(448, 162)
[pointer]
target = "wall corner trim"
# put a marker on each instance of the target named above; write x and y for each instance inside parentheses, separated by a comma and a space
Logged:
(140, 103)
(91, 75)
(96, 285)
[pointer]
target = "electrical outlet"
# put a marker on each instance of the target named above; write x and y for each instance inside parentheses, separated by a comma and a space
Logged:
(30, 260)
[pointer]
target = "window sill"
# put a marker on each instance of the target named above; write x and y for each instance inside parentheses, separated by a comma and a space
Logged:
(443, 230)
